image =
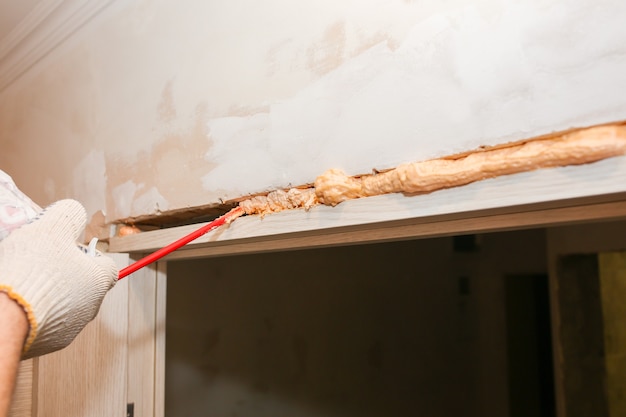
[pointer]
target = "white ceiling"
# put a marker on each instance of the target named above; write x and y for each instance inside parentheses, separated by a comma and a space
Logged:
(12, 12)
(30, 29)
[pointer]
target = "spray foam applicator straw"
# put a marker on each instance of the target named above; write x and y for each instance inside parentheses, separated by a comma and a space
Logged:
(225, 219)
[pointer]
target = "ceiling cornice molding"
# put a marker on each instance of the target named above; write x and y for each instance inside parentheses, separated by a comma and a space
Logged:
(45, 28)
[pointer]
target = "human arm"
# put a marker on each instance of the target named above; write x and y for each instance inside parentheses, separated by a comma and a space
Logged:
(56, 285)
(13, 330)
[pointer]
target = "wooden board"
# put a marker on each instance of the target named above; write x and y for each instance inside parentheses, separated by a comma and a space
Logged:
(88, 378)
(159, 348)
(612, 271)
(22, 403)
(141, 340)
(146, 341)
(564, 241)
(539, 198)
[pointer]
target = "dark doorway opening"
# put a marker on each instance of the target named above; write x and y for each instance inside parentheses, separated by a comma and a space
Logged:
(529, 344)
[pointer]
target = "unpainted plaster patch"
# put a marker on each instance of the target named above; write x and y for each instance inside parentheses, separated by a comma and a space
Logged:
(371, 40)
(89, 181)
(97, 227)
(241, 147)
(151, 201)
(170, 171)
(122, 196)
(246, 111)
(166, 108)
(328, 53)
(49, 188)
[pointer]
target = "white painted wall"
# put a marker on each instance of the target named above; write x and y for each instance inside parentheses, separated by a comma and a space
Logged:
(157, 105)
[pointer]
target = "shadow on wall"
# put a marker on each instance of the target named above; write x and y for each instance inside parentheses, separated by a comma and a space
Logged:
(372, 330)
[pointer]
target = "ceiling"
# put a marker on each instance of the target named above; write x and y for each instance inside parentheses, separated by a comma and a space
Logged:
(30, 29)
(14, 11)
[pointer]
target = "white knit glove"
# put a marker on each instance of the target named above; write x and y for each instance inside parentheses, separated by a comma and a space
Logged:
(57, 283)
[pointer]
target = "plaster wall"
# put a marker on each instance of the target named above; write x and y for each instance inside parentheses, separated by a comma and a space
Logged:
(157, 105)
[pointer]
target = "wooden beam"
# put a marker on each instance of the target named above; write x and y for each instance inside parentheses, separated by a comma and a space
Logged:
(402, 231)
(558, 196)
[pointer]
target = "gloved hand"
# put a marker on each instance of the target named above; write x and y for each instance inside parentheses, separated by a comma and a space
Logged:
(59, 286)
